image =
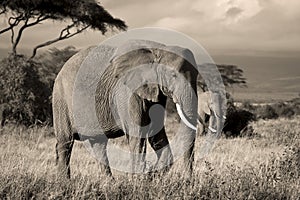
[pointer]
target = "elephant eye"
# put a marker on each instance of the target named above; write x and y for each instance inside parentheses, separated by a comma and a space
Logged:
(173, 74)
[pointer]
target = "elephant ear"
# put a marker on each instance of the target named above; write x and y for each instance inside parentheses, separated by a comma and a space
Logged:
(149, 92)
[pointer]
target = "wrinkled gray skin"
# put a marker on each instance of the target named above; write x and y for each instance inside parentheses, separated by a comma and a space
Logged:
(204, 108)
(208, 104)
(140, 103)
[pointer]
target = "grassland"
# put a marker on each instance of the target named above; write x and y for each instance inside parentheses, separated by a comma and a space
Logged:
(263, 166)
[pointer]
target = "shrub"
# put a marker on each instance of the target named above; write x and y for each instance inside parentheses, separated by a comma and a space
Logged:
(266, 112)
(26, 86)
(237, 121)
(51, 63)
(26, 97)
(284, 109)
(247, 106)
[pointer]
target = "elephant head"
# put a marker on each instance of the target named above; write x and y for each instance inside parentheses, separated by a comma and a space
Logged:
(209, 104)
(204, 108)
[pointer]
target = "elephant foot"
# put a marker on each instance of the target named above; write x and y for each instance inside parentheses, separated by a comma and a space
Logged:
(138, 167)
(105, 169)
(63, 173)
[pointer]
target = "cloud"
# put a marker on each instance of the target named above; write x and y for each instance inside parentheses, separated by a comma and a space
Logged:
(266, 25)
(177, 23)
(233, 12)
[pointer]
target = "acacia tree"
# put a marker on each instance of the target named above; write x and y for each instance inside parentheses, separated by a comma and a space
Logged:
(231, 75)
(82, 14)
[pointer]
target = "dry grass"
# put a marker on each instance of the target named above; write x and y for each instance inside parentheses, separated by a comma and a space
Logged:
(266, 166)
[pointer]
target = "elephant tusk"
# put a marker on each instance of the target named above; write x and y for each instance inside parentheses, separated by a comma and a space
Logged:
(212, 129)
(200, 121)
(224, 117)
(183, 118)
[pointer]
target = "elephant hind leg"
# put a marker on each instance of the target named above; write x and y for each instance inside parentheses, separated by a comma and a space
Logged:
(64, 137)
(63, 155)
(137, 145)
(98, 147)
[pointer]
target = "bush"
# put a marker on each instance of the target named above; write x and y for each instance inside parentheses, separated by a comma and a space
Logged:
(281, 109)
(266, 112)
(26, 86)
(51, 63)
(25, 96)
(295, 104)
(247, 106)
(237, 122)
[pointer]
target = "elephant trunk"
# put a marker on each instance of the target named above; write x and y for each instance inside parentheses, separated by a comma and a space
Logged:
(183, 117)
(217, 117)
(186, 105)
(186, 102)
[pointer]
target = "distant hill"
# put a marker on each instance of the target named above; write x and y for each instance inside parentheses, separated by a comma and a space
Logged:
(269, 78)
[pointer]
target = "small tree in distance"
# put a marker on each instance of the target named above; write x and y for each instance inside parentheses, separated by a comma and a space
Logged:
(51, 62)
(82, 14)
(231, 75)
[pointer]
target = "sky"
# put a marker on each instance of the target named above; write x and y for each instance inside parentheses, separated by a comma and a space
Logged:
(233, 31)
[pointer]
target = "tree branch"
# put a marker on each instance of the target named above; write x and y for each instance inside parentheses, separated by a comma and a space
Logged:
(62, 36)
(12, 36)
(26, 25)
(6, 29)
(12, 24)
(16, 42)
(3, 11)
(38, 20)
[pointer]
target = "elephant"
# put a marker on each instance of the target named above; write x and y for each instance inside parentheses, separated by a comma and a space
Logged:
(169, 64)
(236, 122)
(204, 109)
(206, 112)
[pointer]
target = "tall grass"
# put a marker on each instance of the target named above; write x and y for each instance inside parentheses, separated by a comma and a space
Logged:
(262, 167)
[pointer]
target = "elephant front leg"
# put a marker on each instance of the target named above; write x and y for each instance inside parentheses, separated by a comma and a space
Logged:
(189, 159)
(138, 152)
(98, 145)
(160, 144)
(63, 155)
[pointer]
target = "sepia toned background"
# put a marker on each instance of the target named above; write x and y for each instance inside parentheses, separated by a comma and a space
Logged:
(257, 155)
(260, 36)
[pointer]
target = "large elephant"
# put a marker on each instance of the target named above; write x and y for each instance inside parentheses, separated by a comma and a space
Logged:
(169, 64)
(165, 71)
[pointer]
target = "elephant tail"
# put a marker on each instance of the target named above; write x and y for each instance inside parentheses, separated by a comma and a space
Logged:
(56, 151)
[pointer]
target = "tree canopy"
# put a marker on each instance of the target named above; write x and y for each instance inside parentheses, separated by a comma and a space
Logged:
(231, 75)
(81, 14)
